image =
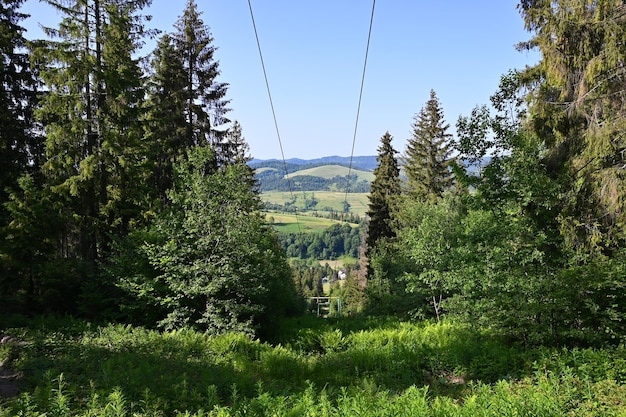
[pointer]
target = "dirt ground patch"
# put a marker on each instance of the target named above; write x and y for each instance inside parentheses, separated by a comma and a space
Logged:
(9, 380)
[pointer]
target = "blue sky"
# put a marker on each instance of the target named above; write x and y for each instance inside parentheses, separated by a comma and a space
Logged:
(314, 52)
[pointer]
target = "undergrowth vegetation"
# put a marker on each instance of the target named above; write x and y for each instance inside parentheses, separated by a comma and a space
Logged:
(358, 366)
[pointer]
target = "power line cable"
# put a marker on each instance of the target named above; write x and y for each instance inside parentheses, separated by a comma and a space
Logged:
(269, 94)
(358, 111)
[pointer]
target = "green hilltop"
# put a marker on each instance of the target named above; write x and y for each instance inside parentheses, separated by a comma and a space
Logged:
(332, 171)
(325, 174)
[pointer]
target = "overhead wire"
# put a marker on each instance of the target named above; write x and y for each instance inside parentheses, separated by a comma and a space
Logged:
(358, 110)
(356, 124)
(269, 94)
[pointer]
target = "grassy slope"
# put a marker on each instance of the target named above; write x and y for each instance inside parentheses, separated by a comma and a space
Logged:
(331, 171)
(263, 169)
(358, 201)
(288, 223)
(337, 264)
(346, 367)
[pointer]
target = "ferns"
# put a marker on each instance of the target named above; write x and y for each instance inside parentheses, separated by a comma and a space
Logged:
(422, 369)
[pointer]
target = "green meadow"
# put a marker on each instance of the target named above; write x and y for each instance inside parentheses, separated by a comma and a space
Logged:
(337, 264)
(325, 200)
(314, 367)
(292, 223)
(332, 171)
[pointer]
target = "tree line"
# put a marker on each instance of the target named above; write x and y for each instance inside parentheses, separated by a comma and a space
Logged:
(125, 192)
(332, 243)
(533, 244)
(272, 180)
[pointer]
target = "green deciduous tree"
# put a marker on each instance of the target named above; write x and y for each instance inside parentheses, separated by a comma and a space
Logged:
(218, 265)
(428, 156)
(513, 267)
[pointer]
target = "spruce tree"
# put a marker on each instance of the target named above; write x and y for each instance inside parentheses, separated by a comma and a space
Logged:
(165, 125)
(20, 148)
(206, 107)
(186, 104)
(124, 172)
(384, 190)
(89, 113)
(578, 107)
(234, 147)
(428, 156)
(21, 154)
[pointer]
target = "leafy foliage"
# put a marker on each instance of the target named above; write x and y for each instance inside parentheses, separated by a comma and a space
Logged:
(218, 265)
(351, 367)
(577, 107)
(501, 256)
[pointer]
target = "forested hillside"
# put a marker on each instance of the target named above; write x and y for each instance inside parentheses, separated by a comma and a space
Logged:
(279, 176)
(363, 163)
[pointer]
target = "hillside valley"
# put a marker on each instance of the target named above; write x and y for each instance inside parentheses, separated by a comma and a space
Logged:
(323, 174)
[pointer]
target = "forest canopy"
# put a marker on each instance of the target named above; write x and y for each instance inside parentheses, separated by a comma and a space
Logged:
(126, 193)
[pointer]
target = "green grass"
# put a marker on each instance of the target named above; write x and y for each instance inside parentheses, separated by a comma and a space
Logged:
(318, 367)
(260, 170)
(331, 199)
(337, 264)
(331, 171)
(290, 223)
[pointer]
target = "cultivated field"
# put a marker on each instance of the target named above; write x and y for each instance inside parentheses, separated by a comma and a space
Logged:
(325, 199)
(337, 264)
(292, 223)
(332, 171)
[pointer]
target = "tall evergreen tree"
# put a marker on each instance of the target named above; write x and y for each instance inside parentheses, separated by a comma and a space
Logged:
(166, 125)
(21, 152)
(578, 109)
(384, 190)
(124, 171)
(428, 156)
(206, 107)
(20, 149)
(186, 105)
(89, 113)
(234, 147)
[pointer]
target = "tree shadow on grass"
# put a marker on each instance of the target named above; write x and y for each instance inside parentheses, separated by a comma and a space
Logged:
(167, 371)
(187, 370)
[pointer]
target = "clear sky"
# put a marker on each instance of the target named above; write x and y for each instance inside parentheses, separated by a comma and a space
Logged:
(314, 52)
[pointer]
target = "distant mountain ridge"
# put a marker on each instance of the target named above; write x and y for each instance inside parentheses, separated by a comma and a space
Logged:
(365, 163)
(328, 173)
(321, 174)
